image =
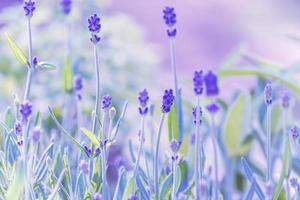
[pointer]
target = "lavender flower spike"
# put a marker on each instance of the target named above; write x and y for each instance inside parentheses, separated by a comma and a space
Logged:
(94, 27)
(170, 20)
(285, 100)
(167, 101)
(29, 8)
(143, 100)
(66, 6)
(268, 94)
(25, 110)
(198, 82)
(211, 84)
(106, 102)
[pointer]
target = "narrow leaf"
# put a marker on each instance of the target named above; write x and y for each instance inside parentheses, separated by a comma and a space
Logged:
(68, 76)
(91, 136)
(20, 55)
(46, 66)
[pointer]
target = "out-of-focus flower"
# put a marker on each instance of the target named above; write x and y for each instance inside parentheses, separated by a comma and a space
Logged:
(295, 132)
(66, 6)
(143, 100)
(268, 94)
(195, 115)
(18, 128)
(97, 152)
(211, 84)
(20, 142)
(198, 82)
(78, 85)
(167, 101)
(87, 150)
(169, 16)
(25, 110)
(84, 167)
(97, 196)
(285, 100)
(192, 138)
(175, 145)
(36, 134)
(294, 182)
(202, 188)
(133, 197)
(106, 102)
(213, 108)
(94, 27)
(29, 7)
(269, 189)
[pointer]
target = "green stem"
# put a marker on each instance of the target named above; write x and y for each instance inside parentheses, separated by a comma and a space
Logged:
(197, 149)
(174, 180)
(214, 141)
(269, 140)
(140, 147)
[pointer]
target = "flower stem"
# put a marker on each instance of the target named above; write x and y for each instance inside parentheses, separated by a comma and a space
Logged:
(269, 156)
(140, 147)
(174, 180)
(156, 184)
(214, 141)
(197, 149)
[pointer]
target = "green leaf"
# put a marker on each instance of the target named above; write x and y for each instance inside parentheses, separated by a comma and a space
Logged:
(38, 120)
(20, 55)
(236, 123)
(17, 185)
(284, 170)
(68, 76)
(263, 73)
(173, 128)
(46, 66)
(91, 136)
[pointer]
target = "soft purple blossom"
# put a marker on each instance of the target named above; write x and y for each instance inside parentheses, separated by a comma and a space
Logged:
(143, 101)
(213, 108)
(167, 101)
(97, 152)
(133, 197)
(88, 150)
(78, 83)
(175, 145)
(195, 115)
(268, 94)
(25, 110)
(35, 61)
(20, 142)
(192, 138)
(84, 167)
(66, 6)
(198, 82)
(295, 132)
(211, 84)
(106, 102)
(97, 196)
(294, 182)
(29, 8)
(285, 100)
(18, 128)
(202, 188)
(94, 27)
(36, 134)
(169, 17)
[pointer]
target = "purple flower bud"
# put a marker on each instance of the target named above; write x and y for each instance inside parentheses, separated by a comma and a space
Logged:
(175, 145)
(84, 167)
(94, 27)
(97, 152)
(169, 16)
(167, 169)
(20, 142)
(97, 196)
(133, 197)
(35, 61)
(36, 134)
(25, 110)
(268, 94)
(212, 108)
(295, 132)
(211, 84)
(87, 150)
(202, 188)
(78, 85)
(167, 101)
(106, 102)
(285, 100)
(294, 182)
(18, 128)
(195, 115)
(29, 7)
(198, 82)
(66, 6)
(143, 100)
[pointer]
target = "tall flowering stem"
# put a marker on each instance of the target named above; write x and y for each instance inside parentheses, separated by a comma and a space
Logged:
(198, 90)
(212, 90)
(268, 100)
(167, 103)
(174, 145)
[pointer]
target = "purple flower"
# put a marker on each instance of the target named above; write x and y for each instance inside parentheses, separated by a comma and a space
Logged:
(269, 189)
(97, 152)
(36, 134)
(212, 108)
(285, 100)
(35, 61)
(143, 100)
(29, 7)
(78, 85)
(169, 16)
(202, 188)
(18, 128)
(25, 110)
(295, 132)
(88, 151)
(133, 197)
(195, 115)
(84, 167)
(198, 82)
(167, 101)
(66, 6)
(268, 94)
(175, 145)
(192, 138)
(20, 142)
(211, 84)
(294, 182)
(94, 27)
(106, 102)
(97, 196)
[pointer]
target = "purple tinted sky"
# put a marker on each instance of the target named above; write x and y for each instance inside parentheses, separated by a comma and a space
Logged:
(207, 31)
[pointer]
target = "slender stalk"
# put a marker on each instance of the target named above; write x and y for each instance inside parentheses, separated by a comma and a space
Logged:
(140, 147)
(287, 143)
(214, 141)
(156, 184)
(105, 123)
(197, 149)
(269, 156)
(174, 180)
